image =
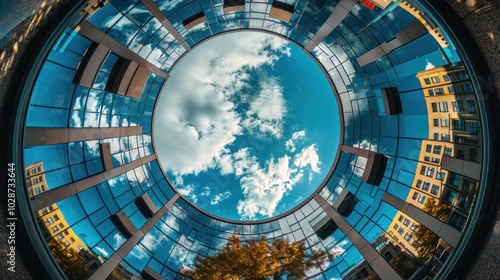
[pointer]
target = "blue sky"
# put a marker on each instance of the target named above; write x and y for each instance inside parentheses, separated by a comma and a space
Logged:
(247, 126)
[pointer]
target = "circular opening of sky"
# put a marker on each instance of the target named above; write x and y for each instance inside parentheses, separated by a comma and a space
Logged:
(247, 126)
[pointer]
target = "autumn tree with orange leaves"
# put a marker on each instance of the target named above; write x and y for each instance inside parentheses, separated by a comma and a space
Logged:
(258, 259)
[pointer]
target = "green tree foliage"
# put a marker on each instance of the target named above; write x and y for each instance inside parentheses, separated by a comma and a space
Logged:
(424, 237)
(258, 259)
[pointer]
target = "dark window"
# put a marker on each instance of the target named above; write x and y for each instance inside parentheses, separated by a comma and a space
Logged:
(460, 154)
(448, 151)
(427, 81)
(467, 88)
(434, 107)
(426, 186)
(474, 128)
(454, 179)
(473, 154)
(437, 150)
(436, 122)
(462, 75)
(457, 106)
(435, 189)
(428, 148)
(471, 106)
(439, 91)
(459, 125)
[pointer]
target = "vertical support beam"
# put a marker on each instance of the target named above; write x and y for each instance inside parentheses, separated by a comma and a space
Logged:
(375, 164)
(54, 195)
(107, 160)
(90, 65)
(378, 263)
(460, 166)
(338, 14)
(89, 31)
(153, 8)
(443, 230)
(109, 265)
(406, 35)
(392, 101)
(39, 136)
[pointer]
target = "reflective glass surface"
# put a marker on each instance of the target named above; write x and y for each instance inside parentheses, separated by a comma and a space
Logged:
(395, 204)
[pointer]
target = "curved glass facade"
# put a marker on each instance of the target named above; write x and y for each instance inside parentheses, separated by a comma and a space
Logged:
(396, 204)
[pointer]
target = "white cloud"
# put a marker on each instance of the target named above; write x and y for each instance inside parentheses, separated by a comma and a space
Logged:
(267, 109)
(118, 240)
(102, 251)
(188, 191)
(206, 191)
(290, 143)
(263, 188)
(308, 156)
(220, 197)
(197, 120)
(338, 250)
(429, 65)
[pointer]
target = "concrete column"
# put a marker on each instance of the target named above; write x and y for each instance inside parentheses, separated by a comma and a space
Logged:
(443, 230)
(40, 136)
(408, 34)
(153, 8)
(93, 33)
(378, 263)
(338, 14)
(54, 195)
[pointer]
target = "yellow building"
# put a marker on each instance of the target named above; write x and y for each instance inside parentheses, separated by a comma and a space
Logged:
(35, 179)
(451, 106)
(453, 132)
(50, 219)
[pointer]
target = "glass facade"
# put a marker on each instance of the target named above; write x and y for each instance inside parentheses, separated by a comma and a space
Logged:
(391, 227)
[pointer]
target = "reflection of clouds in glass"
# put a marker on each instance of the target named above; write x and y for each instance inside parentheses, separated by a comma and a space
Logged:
(358, 163)
(118, 240)
(102, 251)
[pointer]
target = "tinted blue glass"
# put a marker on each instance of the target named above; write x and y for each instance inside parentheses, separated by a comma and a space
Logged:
(105, 227)
(57, 178)
(90, 200)
(99, 216)
(105, 18)
(106, 195)
(46, 117)
(86, 232)
(52, 156)
(78, 171)
(71, 209)
(54, 86)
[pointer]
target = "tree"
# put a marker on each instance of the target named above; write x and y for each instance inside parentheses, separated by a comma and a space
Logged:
(424, 237)
(256, 260)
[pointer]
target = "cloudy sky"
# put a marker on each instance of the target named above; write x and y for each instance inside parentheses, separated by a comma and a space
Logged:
(246, 126)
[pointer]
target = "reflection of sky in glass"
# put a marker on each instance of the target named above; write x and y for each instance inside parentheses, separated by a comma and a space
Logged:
(183, 232)
(249, 117)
